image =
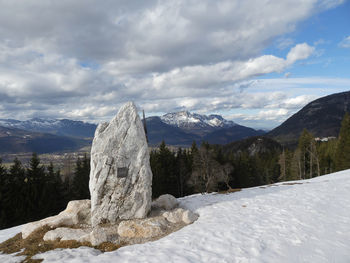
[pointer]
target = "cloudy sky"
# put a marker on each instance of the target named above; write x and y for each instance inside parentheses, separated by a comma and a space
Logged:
(255, 61)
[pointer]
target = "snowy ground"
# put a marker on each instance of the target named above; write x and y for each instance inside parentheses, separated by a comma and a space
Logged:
(308, 222)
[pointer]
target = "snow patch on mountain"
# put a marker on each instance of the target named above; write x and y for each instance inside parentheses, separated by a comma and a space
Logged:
(35, 123)
(185, 118)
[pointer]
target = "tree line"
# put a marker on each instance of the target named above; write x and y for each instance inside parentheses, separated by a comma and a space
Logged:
(313, 158)
(36, 192)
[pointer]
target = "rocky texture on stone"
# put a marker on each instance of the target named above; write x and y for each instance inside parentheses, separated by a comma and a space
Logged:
(143, 228)
(77, 212)
(166, 202)
(121, 176)
(174, 216)
(103, 234)
(64, 233)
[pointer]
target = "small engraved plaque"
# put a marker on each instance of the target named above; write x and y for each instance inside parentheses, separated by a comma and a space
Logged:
(122, 172)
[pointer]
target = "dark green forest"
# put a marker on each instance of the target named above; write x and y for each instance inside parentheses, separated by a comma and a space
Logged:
(38, 191)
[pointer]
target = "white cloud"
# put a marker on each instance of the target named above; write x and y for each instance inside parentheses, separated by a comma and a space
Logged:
(345, 43)
(83, 58)
(300, 51)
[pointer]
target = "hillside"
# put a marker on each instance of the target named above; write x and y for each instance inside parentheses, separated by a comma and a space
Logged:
(253, 145)
(302, 221)
(19, 141)
(321, 117)
(228, 135)
(63, 127)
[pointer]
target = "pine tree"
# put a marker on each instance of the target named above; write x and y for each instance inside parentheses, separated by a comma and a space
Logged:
(80, 184)
(53, 192)
(35, 189)
(163, 164)
(15, 195)
(3, 170)
(343, 148)
(3, 188)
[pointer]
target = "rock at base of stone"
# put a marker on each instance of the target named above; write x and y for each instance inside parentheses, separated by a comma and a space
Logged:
(166, 202)
(188, 217)
(121, 177)
(174, 216)
(77, 212)
(100, 235)
(180, 215)
(64, 233)
(143, 228)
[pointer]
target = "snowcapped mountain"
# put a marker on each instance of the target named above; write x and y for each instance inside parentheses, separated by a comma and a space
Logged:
(184, 118)
(62, 127)
(196, 123)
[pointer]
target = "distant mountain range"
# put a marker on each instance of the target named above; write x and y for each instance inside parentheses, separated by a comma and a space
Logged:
(321, 117)
(19, 141)
(178, 129)
(196, 123)
(182, 128)
(62, 127)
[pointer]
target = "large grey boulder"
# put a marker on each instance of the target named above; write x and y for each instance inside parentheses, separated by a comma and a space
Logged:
(121, 176)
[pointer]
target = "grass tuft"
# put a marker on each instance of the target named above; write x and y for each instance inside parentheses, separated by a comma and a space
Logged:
(34, 244)
(231, 190)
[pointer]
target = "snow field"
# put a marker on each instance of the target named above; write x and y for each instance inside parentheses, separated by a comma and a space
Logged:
(308, 222)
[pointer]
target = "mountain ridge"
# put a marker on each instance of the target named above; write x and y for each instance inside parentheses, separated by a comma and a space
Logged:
(322, 117)
(177, 129)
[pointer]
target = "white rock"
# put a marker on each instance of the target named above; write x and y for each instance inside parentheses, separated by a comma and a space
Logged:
(143, 228)
(174, 216)
(121, 176)
(180, 215)
(100, 235)
(188, 217)
(166, 202)
(64, 233)
(77, 212)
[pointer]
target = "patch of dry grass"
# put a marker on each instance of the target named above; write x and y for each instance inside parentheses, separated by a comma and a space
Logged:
(34, 244)
(291, 183)
(231, 190)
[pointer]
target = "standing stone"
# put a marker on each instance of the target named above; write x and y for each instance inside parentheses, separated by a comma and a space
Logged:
(121, 177)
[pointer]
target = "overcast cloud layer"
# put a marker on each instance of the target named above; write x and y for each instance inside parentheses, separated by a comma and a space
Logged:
(81, 59)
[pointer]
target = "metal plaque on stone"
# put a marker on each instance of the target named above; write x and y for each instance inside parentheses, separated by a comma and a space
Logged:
(122, 172)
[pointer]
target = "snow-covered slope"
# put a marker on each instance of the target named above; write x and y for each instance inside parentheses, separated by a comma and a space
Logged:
(308, 221)
(185, 118)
